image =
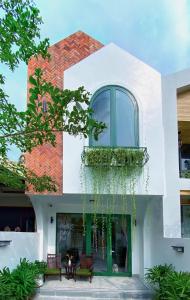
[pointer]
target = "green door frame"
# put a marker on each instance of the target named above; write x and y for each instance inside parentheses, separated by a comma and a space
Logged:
(89, 218)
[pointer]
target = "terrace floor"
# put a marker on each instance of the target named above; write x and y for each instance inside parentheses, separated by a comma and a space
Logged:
(102, 287)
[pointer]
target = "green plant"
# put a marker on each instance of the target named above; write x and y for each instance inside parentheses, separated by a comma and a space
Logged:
(41, 266)
(177, 286)
(111, 171)
(6, 284)
(97, 157)
(156, 275)
(49, 107)
(133, 158)
(169, 284)
(21, 282)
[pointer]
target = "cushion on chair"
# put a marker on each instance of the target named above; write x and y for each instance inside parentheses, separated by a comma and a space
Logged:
(83, 272)
(52, 272)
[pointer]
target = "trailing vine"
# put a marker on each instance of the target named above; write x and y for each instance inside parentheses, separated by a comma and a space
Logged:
(111, 171)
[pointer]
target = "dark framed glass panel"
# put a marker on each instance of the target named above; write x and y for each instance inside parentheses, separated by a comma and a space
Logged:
(101, 108)
(120, 245)
(185, 221)
(118, 109)
(99, 243)
(125, 120)
(107, 239)
(70, 239)
(17, 219)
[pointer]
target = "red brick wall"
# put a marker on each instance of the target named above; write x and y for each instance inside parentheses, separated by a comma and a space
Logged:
(46, 159)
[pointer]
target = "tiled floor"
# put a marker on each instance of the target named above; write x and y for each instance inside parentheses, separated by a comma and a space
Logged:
(100, 288)
(98, 282)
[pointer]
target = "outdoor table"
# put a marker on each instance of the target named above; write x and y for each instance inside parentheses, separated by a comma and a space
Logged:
(70, 271)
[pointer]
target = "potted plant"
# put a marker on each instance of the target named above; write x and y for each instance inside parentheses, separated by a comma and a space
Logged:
(97, 157)
(115, 157)
(41, 267)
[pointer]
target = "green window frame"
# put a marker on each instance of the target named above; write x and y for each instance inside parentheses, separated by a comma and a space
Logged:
(113, 116)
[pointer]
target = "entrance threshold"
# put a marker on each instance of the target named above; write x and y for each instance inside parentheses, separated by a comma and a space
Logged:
(102, 287)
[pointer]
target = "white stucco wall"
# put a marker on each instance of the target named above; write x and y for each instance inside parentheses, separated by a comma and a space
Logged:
(171, 203)
(41, 213)
(112, 65)
(157, 249)
(23, 245)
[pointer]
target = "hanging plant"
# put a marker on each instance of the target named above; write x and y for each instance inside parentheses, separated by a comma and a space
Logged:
(103, 238)
(122, 157)
(111, 171)
(97, 157)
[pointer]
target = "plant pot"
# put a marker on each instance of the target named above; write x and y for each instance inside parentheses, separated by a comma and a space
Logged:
(40, 280)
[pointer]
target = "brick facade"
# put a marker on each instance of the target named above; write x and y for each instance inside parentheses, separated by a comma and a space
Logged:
(46, 159)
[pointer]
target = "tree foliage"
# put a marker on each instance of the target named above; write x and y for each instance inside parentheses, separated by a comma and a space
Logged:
(49, 110)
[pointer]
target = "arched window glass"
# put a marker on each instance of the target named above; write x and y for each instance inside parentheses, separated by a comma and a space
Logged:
(116, 107)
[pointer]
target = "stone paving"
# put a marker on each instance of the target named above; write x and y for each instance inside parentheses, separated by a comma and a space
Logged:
(102, 287)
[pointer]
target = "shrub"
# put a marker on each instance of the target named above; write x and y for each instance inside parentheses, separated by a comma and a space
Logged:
(21, 282)
(158, 273)
(177, 286)
(169, 284)
(41, 266)
(6, 284)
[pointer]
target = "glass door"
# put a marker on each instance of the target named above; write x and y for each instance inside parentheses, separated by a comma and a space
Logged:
(70, 239)
(106, 237)
(120, 245)
(110, 244)
(99, 243)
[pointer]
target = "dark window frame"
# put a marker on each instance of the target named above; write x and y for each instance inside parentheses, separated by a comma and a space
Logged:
(113, 137)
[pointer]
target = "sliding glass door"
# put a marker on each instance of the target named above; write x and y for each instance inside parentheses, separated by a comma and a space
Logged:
(107, 238)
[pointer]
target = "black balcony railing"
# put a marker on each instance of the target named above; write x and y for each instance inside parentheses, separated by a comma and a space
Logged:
(185, 173)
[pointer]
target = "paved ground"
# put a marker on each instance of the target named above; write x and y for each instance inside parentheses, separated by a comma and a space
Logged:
(101, 288)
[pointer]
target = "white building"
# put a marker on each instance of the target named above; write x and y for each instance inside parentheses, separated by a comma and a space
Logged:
(127, 228)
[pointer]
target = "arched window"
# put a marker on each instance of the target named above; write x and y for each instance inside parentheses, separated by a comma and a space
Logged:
(118, 108)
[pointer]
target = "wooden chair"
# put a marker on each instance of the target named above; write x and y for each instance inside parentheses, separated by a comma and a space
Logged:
(53, 266)
(85, 268)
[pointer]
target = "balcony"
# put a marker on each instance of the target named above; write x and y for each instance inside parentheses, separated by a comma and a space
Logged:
(184, 148)
(184, 161)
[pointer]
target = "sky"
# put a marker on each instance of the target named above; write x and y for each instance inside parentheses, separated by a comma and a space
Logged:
(155, 31)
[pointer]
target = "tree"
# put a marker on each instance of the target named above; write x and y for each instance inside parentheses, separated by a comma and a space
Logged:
(49, 109)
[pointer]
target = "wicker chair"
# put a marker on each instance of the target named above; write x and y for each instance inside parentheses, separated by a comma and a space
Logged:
(53, 266)
(85, 268)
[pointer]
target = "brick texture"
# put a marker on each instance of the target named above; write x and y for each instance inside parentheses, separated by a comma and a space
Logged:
(46, 159)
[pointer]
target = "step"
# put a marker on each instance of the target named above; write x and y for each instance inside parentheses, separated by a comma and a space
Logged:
(94, 295)
(76, 298)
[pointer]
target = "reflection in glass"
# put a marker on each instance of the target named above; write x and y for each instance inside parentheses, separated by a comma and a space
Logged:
(101, 108)
(125, 120)
(118, 109)
(119, 244)
(106, 237)
(185, 219)
(98, 244)
(70, 239)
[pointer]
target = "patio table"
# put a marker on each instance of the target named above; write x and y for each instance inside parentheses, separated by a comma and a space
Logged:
(70, 271)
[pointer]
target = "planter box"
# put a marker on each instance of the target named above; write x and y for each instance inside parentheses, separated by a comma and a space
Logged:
(114, 157)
